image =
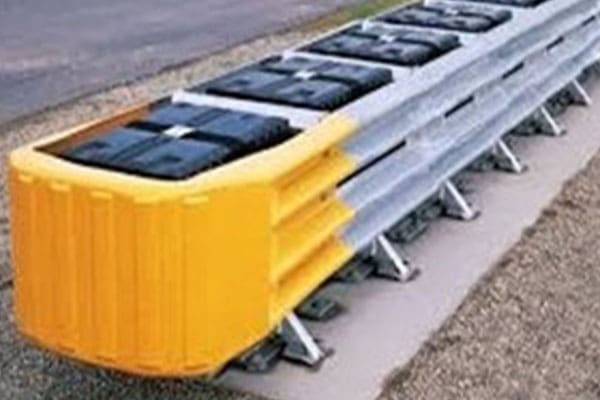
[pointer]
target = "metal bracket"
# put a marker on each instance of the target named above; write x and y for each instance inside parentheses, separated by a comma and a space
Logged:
(580, 95)
(300, 346)
(408, 229)
(390, 264)
(357, 270)
(261, 358)
(483, 163)
(455, 205)
(506, 160)
(319, 307)
(549, 124)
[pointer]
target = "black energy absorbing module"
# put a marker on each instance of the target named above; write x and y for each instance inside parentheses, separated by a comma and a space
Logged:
(513, 3)
(300, 82)
(404, 47)
(178, 141)
(471, 19)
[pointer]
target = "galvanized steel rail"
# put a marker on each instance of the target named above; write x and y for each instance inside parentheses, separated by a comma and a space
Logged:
(452, 111)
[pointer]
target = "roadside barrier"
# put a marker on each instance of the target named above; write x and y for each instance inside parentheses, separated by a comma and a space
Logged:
(176, 237)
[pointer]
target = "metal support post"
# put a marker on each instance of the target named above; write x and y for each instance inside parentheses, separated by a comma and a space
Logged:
(549, 124)
(506, 160)
(580, 95)
(390, 264)
(300, 345)
(455, 205)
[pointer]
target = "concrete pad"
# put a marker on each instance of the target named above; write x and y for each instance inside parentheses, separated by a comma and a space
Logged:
(386, 323)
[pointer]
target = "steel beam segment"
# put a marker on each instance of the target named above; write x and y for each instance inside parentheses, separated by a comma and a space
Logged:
(402, 109)
(421, 169)
(445, 133)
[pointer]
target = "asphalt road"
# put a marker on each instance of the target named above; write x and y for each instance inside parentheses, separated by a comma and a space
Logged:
(52, 51)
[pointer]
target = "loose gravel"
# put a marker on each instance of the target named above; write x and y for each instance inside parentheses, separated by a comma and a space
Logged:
(531, 328)
(27, 373)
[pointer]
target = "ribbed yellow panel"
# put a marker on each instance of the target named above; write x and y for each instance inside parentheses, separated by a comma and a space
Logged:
(172, 278)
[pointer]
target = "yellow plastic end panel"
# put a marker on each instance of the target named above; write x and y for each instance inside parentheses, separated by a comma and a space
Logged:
(172, 278)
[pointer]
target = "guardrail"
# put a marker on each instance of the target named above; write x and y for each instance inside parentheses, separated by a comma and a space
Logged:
(157, 261)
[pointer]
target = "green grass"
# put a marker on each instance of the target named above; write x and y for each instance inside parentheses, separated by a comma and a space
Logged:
(359, 11)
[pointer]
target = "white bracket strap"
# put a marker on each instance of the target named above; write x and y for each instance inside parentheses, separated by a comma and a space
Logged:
(455, 204)
(390, 264)
(304, 75)
(549, 124)
(300, 345)
(506, 160)
(178, 131)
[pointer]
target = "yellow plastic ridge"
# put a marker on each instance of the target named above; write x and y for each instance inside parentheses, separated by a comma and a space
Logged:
(172, 278)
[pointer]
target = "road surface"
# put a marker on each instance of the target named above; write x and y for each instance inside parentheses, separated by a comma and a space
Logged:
(53, 51)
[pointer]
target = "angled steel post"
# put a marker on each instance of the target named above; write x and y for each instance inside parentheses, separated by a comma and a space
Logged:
(300, 345)
(390, 263)
(506, 159)
(456, 206)
(549, 124)
(581, 96)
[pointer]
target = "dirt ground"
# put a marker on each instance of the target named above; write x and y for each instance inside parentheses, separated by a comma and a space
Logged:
(531, 328)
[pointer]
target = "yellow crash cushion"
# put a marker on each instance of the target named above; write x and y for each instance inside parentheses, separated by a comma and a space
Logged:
(172, 278)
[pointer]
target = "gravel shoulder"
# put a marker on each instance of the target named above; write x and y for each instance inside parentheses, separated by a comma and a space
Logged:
(531, 327)
(27, 373)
